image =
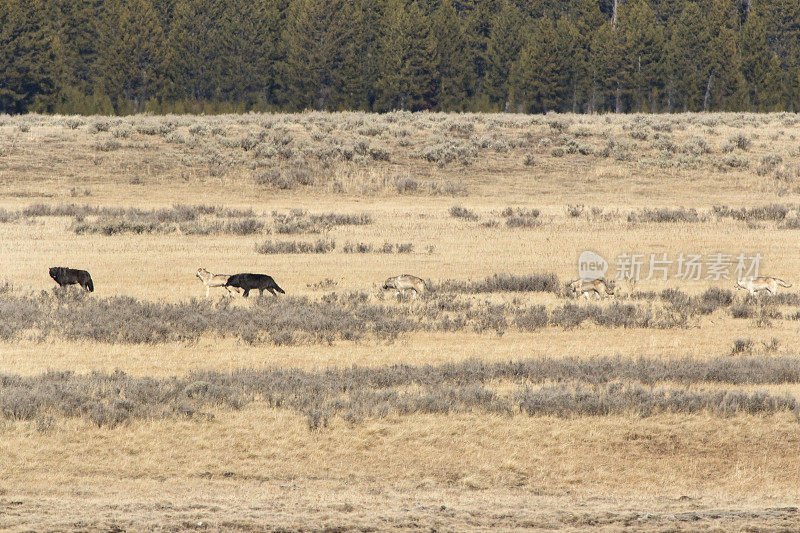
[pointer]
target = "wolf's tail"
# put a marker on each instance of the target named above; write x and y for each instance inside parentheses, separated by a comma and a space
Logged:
(90, 285)
(783, 283)
(275, 286)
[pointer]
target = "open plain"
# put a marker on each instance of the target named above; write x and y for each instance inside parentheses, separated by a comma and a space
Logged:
(494, 400)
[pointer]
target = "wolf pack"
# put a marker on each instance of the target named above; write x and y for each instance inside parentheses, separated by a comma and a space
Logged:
(233, 283)
(601, 287)
(402, 284)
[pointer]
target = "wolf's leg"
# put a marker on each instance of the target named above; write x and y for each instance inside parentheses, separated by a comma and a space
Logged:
(246, 293)
(208, 289)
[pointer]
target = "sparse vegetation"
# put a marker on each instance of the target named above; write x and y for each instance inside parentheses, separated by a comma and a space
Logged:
(506, 283)
(320, 246)
(72, 314)
(774, 212)
(188, 219)
(700, 374)
(665, 214)
(462, 212)
(584, 388)
(386, 248)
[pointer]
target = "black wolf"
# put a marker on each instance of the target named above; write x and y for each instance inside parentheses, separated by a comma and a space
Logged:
(70, 276)
(248, 282)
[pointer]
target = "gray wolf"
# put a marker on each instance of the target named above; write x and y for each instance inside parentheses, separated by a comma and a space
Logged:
(761, 283)
(596, 286)
(70, 276)
(248, 282)
(214, 280)
(405, 282)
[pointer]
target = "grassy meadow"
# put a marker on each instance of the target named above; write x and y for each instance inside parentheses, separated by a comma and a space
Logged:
(495, 400)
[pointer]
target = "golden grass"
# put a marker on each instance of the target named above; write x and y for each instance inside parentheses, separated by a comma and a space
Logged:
(261, 468)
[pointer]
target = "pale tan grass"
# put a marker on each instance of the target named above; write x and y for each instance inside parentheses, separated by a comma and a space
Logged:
(288, 476)
(461, 250)
(396, 473)
(163, 360)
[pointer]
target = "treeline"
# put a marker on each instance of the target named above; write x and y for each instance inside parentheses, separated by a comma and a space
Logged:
(533, 56)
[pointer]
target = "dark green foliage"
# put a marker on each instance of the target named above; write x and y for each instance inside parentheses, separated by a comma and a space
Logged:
(123, 56)
(26, 54)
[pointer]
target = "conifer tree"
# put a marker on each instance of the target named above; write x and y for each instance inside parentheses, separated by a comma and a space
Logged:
(755, 60)
(535, 75)
(453, 72)
(26, 55)
(502, 49)
(688, 71)
(319, 36)
(641, 69)
(407, 52)
(131, 62)
(193, 49)
(604, 68)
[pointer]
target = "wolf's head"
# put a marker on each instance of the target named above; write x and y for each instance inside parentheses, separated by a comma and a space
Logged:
(390, 283)
(610, 286)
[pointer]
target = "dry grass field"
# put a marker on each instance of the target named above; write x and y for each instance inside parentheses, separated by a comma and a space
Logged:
(495, 400)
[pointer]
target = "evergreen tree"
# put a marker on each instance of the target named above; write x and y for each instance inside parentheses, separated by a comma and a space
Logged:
(755, 59)
(320, 53)
(194, 45)
(604, 70)
(407, 52)
(572, 68)
(131, 62)
(453, 72)
(86, 56)
(726, 90)
(688, 71)
(367, 53)
(772, 97)
(535, 76)
(74, 45)
(477, 16)
(502, 50)
(782, 21)
(26, 55)
(641, 68)
(223, 50)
